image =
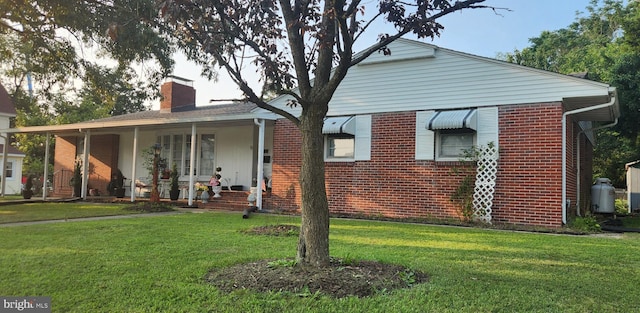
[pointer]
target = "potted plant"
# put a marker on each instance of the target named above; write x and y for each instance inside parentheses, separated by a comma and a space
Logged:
(174, 192)
(76, 180)
(27, 192)
(202, 192)
(216, 186)
(116, 185)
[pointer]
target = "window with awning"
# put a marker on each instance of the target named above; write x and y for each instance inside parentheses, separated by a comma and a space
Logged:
(456, 119)
(339, 125)
(455, 132)
(339, 137)
(442, 134)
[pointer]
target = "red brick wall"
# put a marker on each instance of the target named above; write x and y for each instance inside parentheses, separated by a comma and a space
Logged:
(64, 157)
(394, 184)
(529, 183)
(103, 158)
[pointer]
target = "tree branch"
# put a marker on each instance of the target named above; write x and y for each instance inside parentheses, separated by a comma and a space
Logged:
(459, 5)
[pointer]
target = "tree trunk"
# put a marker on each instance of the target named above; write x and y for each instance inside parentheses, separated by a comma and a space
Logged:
(313, 243)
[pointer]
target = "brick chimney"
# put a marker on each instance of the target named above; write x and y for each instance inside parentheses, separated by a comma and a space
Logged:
(178, 94)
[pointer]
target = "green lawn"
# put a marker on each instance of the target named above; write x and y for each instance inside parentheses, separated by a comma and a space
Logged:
(154, 264)
(55, 211)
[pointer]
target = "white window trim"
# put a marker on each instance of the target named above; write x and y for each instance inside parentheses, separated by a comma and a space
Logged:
(327, 158)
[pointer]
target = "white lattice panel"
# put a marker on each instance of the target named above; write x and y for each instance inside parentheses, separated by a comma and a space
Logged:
(485, 184)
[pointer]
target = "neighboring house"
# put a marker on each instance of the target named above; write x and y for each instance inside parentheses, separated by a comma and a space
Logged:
(395, 131)
(11, 158)
(397, 125)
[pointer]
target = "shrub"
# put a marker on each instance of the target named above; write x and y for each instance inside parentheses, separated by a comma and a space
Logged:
(587, 224)
(622, 206)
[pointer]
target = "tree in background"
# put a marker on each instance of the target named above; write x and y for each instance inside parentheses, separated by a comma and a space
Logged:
(46, 40)
(306, 45)
(605, 44)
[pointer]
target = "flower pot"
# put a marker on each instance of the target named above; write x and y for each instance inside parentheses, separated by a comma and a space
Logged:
(204, 196)
(174, 194)
(27, 194)
(120, 193)
(216, 191)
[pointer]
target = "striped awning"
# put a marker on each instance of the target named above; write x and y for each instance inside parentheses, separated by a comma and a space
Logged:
(339, 125)
(457, 119)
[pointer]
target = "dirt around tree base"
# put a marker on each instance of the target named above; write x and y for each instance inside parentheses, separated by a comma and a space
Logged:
(361, 279)
(342, 278)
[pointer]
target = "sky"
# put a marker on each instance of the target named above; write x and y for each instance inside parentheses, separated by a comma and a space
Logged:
(480, 31)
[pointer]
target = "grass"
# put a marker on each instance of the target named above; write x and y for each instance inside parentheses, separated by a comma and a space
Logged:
(55, 211)
(157, 264)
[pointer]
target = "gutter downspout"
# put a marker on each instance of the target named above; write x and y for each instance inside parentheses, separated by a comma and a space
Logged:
(578, 156)
(260, 173)
(564, 150)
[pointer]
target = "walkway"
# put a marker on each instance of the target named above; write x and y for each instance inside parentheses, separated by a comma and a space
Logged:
(96, 218)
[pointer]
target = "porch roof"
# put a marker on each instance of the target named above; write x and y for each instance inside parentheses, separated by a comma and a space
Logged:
(229, 114)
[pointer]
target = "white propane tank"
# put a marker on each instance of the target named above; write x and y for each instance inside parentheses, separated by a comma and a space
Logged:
(603, 196)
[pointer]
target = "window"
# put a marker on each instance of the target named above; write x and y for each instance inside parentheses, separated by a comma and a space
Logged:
(455, 132)
(339, 137)
(177, 149)
(453, 143)
(206, 165)
(8, 169)
(339, 146)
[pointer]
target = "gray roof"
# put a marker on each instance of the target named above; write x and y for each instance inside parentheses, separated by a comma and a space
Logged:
(230, 113)
(210, 110)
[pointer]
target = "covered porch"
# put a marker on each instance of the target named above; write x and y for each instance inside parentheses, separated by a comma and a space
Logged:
(232, 137)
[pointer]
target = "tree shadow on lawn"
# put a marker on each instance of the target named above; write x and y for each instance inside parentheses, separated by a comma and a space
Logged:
(342, 278)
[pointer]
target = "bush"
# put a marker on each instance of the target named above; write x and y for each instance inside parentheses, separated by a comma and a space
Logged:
(587, 224)
(622, 206)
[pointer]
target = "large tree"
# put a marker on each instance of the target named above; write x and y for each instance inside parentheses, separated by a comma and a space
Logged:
(604, 43)
(306, 44)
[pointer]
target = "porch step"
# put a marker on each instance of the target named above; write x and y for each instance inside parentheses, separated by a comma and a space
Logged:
(230, 200)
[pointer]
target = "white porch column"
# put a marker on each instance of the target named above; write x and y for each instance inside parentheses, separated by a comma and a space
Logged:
(45, 185)
(133, 164)
(4, 162)
(260, 173)
(192, 163)
(85, 164)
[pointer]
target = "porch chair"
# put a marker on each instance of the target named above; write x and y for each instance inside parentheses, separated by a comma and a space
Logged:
(142, 186)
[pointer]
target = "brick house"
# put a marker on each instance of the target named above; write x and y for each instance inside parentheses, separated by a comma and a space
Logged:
(394, 133)
(397, 124)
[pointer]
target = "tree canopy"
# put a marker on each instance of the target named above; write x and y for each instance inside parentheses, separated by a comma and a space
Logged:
(604, 43)
(304, 49)
(69, 61)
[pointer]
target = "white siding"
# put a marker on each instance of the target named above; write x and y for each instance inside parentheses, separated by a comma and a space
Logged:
(363, 138)
(233, 152)
(447, 81)
(425, 139)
